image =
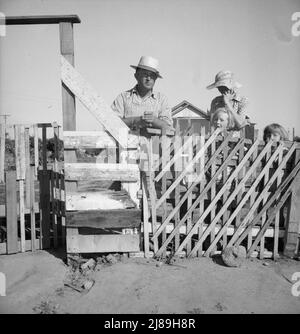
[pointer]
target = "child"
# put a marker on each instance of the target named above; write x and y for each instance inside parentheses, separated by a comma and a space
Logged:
(235, 104)
(274, 132)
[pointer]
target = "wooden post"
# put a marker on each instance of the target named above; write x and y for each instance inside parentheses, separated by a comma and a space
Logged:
(11, 212)
(20, 168)
(32, 210)
(68, 102)
(27, 171)
(68, 98)
(292, 228)
(2, 151)
(36, 150)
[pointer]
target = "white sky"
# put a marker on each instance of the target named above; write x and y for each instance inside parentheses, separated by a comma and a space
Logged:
(193, 40)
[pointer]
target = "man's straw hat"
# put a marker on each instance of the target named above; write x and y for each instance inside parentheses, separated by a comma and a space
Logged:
(148, 63)
(224, 78)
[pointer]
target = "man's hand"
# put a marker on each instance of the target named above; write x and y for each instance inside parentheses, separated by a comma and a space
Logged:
(228, 97)
(148, 117)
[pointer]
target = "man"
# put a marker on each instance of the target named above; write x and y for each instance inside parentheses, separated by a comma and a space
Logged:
(141, 106)
(229, 99)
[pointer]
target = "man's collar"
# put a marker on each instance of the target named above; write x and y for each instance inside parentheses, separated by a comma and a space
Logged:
(135, 91)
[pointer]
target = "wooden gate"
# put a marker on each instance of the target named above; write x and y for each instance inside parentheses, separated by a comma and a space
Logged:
(211, 192)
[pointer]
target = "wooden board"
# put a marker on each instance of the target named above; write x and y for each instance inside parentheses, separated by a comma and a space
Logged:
(94, 139)
(99, 171)
(11, 212)
(104, 218)
(77, 243)
(94, 102)
(99, 200)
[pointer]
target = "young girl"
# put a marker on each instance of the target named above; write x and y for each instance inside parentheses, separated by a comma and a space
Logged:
(274, 132)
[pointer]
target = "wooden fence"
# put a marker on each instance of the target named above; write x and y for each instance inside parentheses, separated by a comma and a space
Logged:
(208, 192)
(31, 189)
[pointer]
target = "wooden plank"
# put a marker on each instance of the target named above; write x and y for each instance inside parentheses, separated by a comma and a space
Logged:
(54, 209)
(152, 192)
(98, 171)
(212, 196)
(264, 216)
(95, 139)
(45, 209)
(2, 151)
(44, 148)
(68, 98)
(11, 212)
(22, 214)
(41, 19)
(32, 209)
(199, 168)
(276, 225)
(252, 200)
(165, 158)
(177, 169)
(270, 232)
(36, 149)
(28, 246)
(145, 217)
(26, 211)
(293, 221)
(99, 200)
(94, 103)
(20, 151)
(27, 168)
(104, 218)
(77, 243)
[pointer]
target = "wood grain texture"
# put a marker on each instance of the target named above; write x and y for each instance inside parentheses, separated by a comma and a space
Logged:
(104, 218)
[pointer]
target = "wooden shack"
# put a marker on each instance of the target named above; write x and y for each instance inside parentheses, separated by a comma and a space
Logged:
(186, 115)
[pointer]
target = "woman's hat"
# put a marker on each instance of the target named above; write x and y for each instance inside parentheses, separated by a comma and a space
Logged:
(224, 78)
(148, 63)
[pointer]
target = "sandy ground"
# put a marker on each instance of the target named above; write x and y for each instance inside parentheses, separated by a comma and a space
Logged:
(35, 284)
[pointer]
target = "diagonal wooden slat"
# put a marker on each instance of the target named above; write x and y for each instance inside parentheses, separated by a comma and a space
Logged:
(195, 182)
(183, 174)
(269, 203)
(261, 195)
(276, 209)
(202, 195)
(244, 199)
(221, 192)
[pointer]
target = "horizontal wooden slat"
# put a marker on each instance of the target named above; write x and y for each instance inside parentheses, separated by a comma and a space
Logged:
(78, 243)
(104, 218)
(26, 210)
(99, 171)
(230, 230)
(3, 246)
(41, 19)
(94, 139)
(99, 200)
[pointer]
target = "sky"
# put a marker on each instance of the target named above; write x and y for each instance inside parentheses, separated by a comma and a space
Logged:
(192, 39)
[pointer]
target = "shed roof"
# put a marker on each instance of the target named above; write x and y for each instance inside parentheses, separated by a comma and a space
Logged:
(187, 105)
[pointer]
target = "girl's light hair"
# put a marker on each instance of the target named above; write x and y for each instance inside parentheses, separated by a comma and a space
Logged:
(226, 111)
(275, 128)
